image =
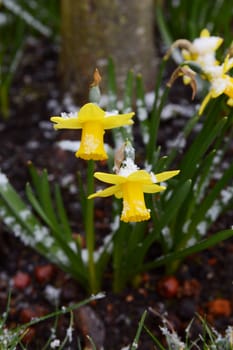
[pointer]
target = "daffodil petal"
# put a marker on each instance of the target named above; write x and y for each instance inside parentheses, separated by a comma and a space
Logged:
(204, 33)
(110, 178)
(65, 123)
(111, 122)
(119, 193)
(229, 89)
(219, 42)
(89, 112)
(105, 193)
(141, 176)
(153, 188)
(186, 55)
(166, 175)
(230, 102)
(228, 64)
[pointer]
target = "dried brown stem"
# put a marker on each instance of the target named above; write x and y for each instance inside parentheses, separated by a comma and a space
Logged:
(184, 71)
(181, 44)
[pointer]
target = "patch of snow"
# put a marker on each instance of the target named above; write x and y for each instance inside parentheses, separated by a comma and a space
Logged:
(171, 110)
(179, 142)
(214, 211)
(226, 195)
(25, 214)
(55, 343)
(149, 100)
(3, 19)
(68, 145)
(52, 294)
(68, 115)
(202, 227)
(111, 113)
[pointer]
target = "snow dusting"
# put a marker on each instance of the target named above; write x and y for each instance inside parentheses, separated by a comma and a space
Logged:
(69, 115)
(128, 167)
(202, 227)
(52, 294)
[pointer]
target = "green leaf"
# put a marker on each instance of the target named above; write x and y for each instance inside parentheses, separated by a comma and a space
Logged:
(135, 342)
(34, 173)
(16, 206)
(155, 340)
(62, 213)
(82, 194)
(104, 253)
(173, 204)
(119, 257)
(208, 201)
(140, 92)
(38, 208)
(198, 148)
(46, 199)
(76, 264)
(43, 192)
(154, 127)
(142, 112)
(181, 254)
(128, 92)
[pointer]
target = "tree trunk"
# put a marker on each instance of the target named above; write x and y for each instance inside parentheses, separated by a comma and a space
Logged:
(94, 30)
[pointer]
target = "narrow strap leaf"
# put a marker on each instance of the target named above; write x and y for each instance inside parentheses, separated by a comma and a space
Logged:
(203, 244)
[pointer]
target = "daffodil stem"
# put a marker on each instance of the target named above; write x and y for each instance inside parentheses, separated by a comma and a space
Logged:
(90, 232)
(119, 277)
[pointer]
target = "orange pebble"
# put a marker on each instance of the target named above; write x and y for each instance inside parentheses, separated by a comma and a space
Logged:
(220, 307)
(129, 298)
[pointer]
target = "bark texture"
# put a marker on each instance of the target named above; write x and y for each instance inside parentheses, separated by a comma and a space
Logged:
(93, 30)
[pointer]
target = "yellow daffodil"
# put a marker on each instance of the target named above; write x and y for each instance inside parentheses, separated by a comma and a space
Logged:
(131, 184)
(93, 121)
(220, 82)
(202, 49)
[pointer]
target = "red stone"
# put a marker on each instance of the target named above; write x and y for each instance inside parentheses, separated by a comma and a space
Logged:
(35, 311)
(190, 288)
(21, 280)
(44, 273)
(27, 314)
(168, 287)
(212, 261)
